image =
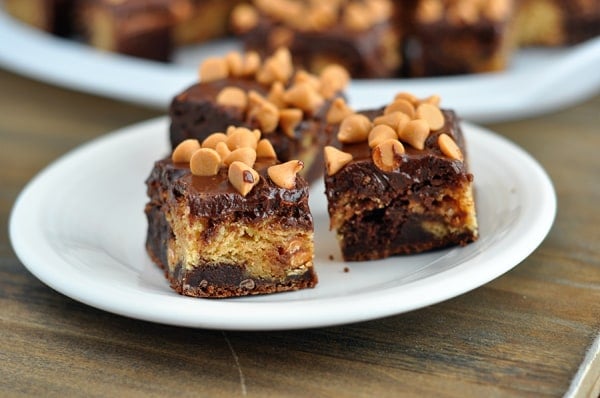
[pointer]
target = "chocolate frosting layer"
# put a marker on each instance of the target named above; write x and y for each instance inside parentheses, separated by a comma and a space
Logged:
(215, 198)
(428, 166)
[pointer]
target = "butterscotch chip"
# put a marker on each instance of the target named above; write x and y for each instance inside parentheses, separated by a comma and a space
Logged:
(289, 119)
(433, 100)
(232, 129)
(354, 128)
(244, 17)
(205, 162)
(235, 64)
(386, 155)
(338, 110)
(241, 137)
(381, 10)
(430, 11)
(184, 151)
(415, 133)
(267, 116)
(381, 133)
(232, 97)
(265, 149)
(212, 140)
(321, 16)
(257, 134)
(277, 67)
(407, 96)
(401, 105)
(284, 175)
(255, 99)
(275, 95)
(465, 12)
(356, 17)
(335, 159)
(213, 68)
(303, 96)
(497, 10)
(242, 177)
(432, 115)
(396, 120)
(449, 147)
(267, 74)
(303, 76)
(252, 63)
(287, 11)
(222, 149)
(245, 155)
(333, 78)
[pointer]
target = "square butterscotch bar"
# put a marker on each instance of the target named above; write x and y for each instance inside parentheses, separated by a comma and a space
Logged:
(449, 37)
(226, 219)
(398, 181)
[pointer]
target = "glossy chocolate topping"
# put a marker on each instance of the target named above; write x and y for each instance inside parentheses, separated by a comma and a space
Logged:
(216, 198)
(417, 166)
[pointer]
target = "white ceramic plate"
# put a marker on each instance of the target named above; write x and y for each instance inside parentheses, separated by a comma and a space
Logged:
(79, 227)
(539, 81)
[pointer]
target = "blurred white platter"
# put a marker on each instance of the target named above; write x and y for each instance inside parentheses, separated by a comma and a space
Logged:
(538, 81)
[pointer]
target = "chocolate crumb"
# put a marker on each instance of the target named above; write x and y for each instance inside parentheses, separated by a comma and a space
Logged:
(346, 269)
(331, 257)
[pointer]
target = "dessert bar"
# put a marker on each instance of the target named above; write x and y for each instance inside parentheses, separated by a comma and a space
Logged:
(397, 181)
(360, 35)
(226, 219)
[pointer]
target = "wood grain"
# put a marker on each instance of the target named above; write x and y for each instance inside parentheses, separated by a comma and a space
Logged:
(524, 334)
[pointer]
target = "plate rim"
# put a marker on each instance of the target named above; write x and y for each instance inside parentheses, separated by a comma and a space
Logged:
(288, 319)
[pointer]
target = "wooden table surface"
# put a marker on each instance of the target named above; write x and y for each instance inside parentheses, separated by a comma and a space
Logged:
(530, 332)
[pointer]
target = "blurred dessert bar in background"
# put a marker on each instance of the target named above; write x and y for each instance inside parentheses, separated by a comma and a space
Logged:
(289, 105)
(360, 35)
(370, 38)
